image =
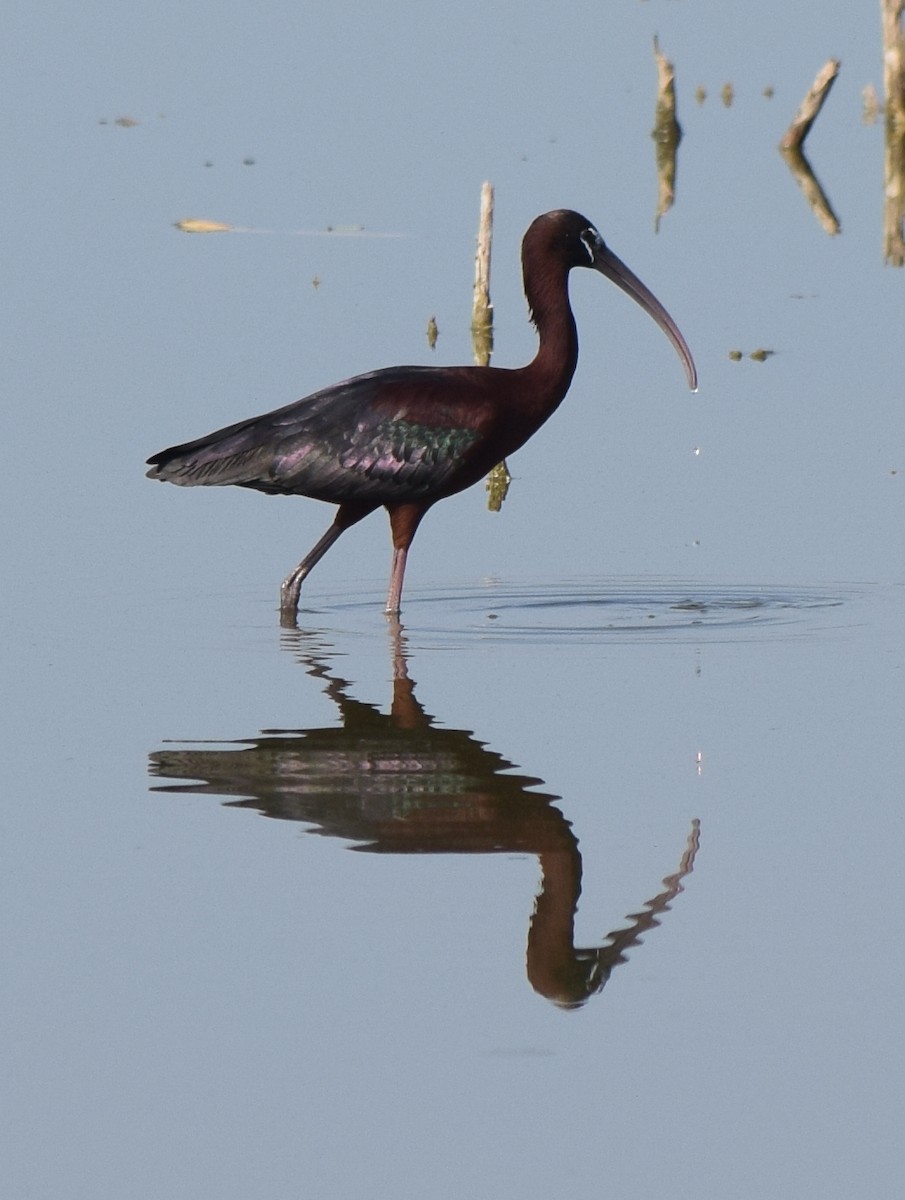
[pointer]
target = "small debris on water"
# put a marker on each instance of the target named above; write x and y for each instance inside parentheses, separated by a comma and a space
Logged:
(758, 355)
(870, 105)
(200, 225)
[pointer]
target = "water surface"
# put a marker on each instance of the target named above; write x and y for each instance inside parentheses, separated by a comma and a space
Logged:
(585, 880)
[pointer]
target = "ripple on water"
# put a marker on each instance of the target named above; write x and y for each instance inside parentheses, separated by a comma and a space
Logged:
(595, 610)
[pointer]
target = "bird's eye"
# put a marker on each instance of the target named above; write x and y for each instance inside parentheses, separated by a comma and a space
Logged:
(592, 242)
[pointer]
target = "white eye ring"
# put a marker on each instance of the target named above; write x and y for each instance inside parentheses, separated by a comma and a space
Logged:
(592, 242)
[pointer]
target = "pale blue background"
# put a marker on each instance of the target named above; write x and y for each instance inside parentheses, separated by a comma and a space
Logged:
(201, 1003)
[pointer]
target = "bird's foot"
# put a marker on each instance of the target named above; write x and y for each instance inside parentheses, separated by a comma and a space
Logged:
(290, 591)
(289, 618)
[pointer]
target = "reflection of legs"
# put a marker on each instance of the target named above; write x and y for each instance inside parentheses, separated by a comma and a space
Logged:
(348, 515)
(404, 521)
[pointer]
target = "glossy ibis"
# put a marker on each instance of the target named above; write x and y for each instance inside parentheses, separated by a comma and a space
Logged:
(405, 437)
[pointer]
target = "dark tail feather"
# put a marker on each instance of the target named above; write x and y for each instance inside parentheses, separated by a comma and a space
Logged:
(235, 455)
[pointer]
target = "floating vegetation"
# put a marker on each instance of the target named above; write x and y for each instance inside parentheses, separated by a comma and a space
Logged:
(203, 225)
(497, 485)
(200, 225)
(125, 122)
(727, 95)
(758, 355)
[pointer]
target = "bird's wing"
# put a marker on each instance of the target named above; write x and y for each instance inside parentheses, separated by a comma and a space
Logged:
(378, 437)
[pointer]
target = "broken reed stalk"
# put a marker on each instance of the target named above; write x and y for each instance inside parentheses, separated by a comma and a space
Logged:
(497, 484)
(791, 146)
(894, 158)
(667, 133)
(810, 107)
(482, 309)
(893, 60)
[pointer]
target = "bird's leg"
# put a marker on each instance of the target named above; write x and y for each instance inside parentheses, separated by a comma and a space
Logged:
(404, 520)
(397, 574)
(291, 587)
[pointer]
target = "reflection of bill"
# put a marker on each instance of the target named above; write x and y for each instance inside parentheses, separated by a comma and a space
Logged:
(396, 783)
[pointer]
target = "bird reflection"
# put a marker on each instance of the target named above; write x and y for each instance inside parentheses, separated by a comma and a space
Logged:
(396, 783)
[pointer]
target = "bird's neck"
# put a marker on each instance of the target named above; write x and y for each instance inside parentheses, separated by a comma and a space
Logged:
(554, 364)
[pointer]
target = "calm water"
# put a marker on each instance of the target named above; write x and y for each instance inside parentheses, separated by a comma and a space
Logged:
(584, 878)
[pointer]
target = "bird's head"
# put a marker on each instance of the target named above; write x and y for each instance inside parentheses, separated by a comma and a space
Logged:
(571, 240)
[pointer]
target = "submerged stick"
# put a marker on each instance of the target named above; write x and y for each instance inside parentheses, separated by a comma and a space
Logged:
(810, 107)
(816, 197)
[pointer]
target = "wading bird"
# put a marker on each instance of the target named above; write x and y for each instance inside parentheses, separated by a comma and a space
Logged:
(405, 437)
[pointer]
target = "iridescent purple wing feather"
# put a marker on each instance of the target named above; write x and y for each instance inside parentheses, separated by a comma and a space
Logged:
(357, 440)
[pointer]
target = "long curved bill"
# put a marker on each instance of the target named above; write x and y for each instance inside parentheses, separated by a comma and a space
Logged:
(607, 263)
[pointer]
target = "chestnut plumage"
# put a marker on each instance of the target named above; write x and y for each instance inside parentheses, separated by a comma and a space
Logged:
(403, 438)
